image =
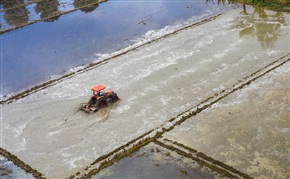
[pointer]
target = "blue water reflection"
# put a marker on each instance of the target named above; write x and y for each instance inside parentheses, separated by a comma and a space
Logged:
(30, 55)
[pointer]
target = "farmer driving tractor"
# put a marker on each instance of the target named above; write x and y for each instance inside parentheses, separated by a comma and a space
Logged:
(101, 98)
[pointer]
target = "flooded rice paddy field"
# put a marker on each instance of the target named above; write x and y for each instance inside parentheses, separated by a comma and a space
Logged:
(91, 31)
(208, 100)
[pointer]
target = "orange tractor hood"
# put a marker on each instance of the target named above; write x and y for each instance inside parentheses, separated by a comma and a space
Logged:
(98, 88)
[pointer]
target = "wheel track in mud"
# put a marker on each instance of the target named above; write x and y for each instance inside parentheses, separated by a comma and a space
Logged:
(99, 63)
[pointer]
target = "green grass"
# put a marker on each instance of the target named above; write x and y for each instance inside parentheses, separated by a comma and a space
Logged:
(271, 3)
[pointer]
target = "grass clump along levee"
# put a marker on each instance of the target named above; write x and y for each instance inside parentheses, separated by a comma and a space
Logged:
(272, 3)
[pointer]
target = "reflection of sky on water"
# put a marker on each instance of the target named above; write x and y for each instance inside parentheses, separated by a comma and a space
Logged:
(263, 24)
(153, 161)
(33, 53)
(9, 170)
(29, 12)
(65, 5)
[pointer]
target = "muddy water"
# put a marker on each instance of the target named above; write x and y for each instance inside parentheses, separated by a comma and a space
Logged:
(51, 47)
(154, 161)
(262, 24)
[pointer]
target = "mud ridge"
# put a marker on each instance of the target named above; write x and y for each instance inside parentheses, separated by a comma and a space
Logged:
(224, 93)
(151, 136)
(21, 164)
(54, 15)
(114, 156)
(119, 156)
(97, 64)
(199, 155)
(198, 159)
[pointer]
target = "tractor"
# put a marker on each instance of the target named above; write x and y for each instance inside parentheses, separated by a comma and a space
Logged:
(101, 98)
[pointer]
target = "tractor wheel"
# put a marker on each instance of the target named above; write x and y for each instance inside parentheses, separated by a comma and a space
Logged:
(92, 101)
(115, 98)
(102, 103)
